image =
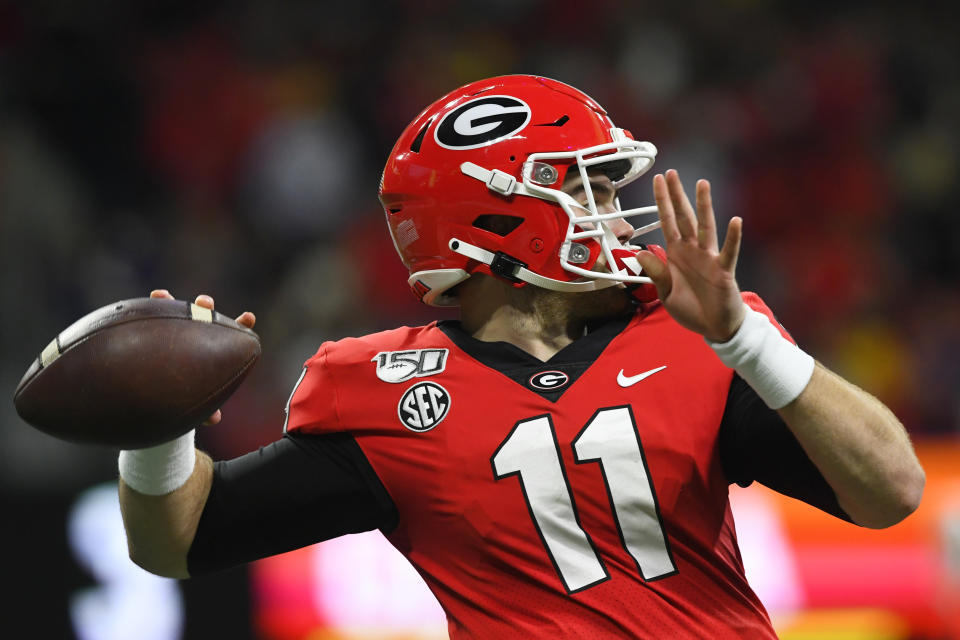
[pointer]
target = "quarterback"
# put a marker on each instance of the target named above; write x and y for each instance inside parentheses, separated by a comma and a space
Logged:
(556, 463)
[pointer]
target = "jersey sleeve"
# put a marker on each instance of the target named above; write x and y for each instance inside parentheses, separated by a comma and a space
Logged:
(294, 492)
(313, 403)
(757, 445)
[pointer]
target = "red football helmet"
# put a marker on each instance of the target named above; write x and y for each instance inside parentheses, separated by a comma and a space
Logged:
(473, 186)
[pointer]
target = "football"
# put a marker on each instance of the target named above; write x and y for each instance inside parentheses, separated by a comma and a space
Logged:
(136, 373)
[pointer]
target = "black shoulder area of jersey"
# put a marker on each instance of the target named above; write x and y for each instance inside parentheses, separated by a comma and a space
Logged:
(549, 379)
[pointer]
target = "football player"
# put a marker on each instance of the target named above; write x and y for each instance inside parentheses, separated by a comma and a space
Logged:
(557, 462)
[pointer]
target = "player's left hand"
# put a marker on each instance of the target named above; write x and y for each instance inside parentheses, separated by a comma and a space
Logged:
(697, 284)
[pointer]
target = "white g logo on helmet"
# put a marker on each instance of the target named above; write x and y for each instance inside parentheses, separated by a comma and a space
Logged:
(483, 121)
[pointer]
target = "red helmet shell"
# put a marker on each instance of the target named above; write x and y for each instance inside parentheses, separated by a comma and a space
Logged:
(494, 123)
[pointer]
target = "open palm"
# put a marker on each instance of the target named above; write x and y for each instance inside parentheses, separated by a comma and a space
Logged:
(697, 284)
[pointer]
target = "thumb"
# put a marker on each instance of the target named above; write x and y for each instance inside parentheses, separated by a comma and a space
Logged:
(657, 270)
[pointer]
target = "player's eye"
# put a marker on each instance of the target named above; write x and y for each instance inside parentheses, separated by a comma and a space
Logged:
(603, 193)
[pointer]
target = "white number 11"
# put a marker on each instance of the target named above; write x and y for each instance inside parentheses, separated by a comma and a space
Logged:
(610, 438)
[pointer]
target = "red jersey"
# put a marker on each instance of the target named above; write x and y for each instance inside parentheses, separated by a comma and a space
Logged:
(582, 497)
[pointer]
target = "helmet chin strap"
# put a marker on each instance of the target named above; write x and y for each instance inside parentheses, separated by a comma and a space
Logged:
(512, 269)
(497, 181)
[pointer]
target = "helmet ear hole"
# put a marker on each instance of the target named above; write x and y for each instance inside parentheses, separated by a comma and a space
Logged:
(502, 225)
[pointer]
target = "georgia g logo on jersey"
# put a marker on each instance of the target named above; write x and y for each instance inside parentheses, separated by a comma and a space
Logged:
(549, 380)
(483, 121)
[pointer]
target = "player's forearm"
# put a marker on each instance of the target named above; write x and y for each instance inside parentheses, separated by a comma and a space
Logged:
(860, 447)
(160, 529)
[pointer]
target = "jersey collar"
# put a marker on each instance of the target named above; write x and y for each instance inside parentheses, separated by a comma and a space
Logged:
(520, 366)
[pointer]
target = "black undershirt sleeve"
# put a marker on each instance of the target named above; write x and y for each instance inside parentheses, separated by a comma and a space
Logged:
(757, 445)
(292, 493)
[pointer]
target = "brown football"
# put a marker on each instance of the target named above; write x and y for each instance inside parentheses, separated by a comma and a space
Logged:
(136, 373)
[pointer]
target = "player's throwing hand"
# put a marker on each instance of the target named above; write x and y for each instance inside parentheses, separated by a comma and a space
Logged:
(246, 319)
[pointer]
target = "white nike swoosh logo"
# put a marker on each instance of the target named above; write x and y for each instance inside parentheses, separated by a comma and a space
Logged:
(629, 381)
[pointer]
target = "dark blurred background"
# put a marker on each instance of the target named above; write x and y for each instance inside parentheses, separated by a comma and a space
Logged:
(234, 148)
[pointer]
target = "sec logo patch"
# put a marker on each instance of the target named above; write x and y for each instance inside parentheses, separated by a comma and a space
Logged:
(423, 406)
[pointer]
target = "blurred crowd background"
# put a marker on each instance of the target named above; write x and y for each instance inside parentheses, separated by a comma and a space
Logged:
(234, 148)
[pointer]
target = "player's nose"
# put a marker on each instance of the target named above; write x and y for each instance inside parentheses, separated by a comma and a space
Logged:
(622, 229)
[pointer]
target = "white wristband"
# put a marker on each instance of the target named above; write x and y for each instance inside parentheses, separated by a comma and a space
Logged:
(159, 470)
(777, 369)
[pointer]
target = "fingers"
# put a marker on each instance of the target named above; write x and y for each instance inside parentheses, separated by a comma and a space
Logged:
(679, 220)
(731, 244)
(203, 300)
(668, 220)
(706, 222)
(656, 270)
(686, 222)
(247, 319)
(677, 217)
